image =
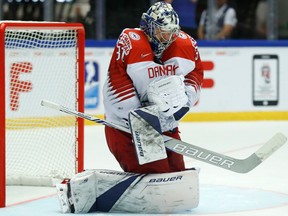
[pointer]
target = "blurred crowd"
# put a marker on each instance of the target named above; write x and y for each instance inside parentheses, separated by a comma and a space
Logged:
(247, 18)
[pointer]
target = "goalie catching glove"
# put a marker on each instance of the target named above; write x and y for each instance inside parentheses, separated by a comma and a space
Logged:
(168, 94)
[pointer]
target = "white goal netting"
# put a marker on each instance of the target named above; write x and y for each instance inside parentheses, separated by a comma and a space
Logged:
(41, 144)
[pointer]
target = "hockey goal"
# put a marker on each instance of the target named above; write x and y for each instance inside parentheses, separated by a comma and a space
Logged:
(40, 60)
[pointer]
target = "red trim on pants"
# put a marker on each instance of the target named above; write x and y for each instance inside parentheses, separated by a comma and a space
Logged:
(121, 146)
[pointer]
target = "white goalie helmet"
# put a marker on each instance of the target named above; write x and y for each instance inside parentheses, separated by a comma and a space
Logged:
(161, 25)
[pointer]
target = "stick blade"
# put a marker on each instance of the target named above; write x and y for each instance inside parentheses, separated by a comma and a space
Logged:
(50, 104)
(271, 146)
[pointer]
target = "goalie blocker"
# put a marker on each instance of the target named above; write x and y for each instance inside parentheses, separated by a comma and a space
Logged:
(147, 135)
(114, 191)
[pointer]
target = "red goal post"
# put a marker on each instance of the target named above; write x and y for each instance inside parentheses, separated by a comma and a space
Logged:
(40, 60)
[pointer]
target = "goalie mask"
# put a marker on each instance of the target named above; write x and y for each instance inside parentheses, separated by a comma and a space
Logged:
(161, 25)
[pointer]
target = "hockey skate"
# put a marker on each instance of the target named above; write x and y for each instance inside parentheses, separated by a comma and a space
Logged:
(64, 198)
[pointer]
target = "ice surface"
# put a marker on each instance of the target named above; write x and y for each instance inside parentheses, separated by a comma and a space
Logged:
(261, 192)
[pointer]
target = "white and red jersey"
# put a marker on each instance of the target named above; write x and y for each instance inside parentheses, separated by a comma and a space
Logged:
(132, 68)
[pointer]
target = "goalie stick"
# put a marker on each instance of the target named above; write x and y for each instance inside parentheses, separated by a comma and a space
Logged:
(192, 151)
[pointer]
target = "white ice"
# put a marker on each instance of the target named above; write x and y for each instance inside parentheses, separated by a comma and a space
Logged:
(261, 192)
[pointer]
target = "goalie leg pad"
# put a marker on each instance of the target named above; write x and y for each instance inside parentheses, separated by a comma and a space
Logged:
(64, 198)
(114, 191)
(155, 194)
(147, 136)
(84, 190)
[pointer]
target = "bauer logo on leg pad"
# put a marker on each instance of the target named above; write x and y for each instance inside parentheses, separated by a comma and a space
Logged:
(169, 179)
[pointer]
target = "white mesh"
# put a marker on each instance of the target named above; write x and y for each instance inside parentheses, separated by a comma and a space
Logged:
(41, 144)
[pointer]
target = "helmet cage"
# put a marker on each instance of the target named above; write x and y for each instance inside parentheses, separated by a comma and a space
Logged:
(164, 35)
(161, 24)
